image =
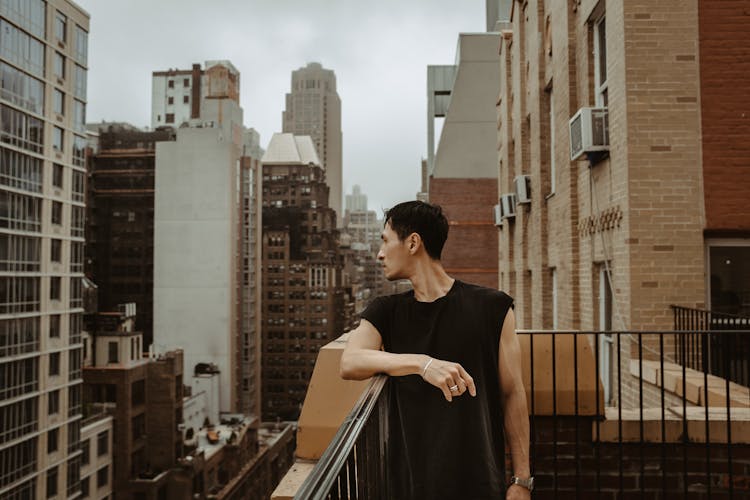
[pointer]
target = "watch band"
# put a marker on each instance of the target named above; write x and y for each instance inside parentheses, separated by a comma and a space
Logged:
(526, 483)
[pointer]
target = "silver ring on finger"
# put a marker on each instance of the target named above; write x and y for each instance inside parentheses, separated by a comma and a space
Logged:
(453, 388)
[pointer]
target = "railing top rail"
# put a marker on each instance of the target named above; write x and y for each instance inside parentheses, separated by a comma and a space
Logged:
(318, 484)
(631, 332)
(707, 311)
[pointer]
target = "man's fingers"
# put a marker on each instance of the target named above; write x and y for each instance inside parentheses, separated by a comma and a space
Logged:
(469, 381)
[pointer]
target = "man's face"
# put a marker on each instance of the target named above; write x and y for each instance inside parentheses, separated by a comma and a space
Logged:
(393, 255)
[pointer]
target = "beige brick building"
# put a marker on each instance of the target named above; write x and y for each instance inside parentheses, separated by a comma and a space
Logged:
(610, 239)
(638, 212)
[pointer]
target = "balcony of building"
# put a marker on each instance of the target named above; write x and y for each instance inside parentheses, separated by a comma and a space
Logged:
(613, 415)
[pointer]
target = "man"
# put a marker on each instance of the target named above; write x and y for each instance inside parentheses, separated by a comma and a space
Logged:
(445, 441)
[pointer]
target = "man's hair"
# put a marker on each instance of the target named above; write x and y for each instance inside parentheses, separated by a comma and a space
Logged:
(428, 221)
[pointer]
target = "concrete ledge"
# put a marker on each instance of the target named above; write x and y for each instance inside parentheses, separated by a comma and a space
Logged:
(609, 429)
(739, 396)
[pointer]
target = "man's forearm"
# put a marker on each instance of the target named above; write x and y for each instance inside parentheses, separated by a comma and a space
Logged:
(517, 432)
(359, 364)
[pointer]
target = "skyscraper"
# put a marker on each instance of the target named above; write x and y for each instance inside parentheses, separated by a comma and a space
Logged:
(314, 108)
(206, 259)
(42, 173)
(303, 306)
(120, 220)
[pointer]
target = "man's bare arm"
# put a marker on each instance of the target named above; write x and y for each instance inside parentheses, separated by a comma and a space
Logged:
(516, 413)
(362, 358)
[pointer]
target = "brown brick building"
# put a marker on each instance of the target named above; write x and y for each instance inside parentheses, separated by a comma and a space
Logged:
(120, 220)
(303, 293)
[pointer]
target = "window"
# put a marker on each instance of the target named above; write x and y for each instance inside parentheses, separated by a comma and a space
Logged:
(554, 298)
(170, 84)
(138, 392)
(52, 482)
(20, 49)
(85, 452)
(552, 173)
(82, 45)
(185, 99)
(57, 208)
(85, 484)
(138, 425)
(61, 23)
(52, 439)
(54, 287)
(59, 102)
(54, 364)
(170, 100)
(18, 419)
(169, 118)
(729, 268)
(57, 175)
(53, 402)
(102, 443)
(79, 90)
(79, 152)
(56, 250)
(600, 61)
(21, 130)
(59, 65)
(57, 138)
(102, 477)
(79, 116)
(78, 186)
(54, 326)
(186, 82)
(605, 325)
(19, 253)
(113, 353)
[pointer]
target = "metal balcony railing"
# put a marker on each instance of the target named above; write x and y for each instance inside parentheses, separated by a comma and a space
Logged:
(613, 415)
(736, 346)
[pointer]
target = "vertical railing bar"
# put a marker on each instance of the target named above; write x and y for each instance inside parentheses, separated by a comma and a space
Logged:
(704, 350)
(554, 410)
(729, 419)
(684, 425)
(619, 407)
(597, 442)
(532, 465)
(575, 385)
(663, 420)
(640, 407)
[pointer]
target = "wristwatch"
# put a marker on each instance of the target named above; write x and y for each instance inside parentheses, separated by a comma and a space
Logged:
(526, 483)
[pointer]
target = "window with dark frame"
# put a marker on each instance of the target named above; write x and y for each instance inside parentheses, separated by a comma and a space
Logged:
(54, 326)
(52, 482)
(54, 287)
(55, 250)
(102, 443)
(57, 175)
(113, 353)
(52, 439)
(53, 402)
(54, 364)
(56, 214)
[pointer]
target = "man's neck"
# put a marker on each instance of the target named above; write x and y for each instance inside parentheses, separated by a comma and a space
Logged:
(430, 281)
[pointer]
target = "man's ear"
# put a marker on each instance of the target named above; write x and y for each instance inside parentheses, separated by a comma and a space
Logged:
(415, 241)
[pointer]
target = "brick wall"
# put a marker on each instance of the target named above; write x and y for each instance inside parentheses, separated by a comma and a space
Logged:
(577, 459)
(470, 254)
(725, 112)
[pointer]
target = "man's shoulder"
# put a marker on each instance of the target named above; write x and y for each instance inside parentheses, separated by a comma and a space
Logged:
(483, 292)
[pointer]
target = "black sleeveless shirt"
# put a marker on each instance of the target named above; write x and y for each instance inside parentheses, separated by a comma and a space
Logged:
(437, 449)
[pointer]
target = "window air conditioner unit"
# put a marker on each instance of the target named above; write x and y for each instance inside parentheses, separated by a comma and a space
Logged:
(523, 189)
(589, 132)
(508, 202)
(498, 211)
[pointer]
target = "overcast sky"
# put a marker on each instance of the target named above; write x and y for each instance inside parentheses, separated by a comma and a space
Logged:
(379, 50)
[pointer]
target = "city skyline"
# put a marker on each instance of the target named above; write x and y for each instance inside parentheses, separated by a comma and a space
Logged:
(379, 59)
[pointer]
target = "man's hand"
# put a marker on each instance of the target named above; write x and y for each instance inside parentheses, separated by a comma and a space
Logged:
(516, 492)
(451, 378)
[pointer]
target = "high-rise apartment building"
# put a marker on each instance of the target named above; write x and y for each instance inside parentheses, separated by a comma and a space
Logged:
(120, 220)
(43, 67)
(313, 108)
(303, 297)
(206, 252)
